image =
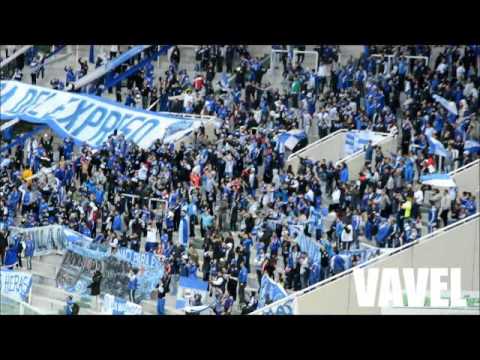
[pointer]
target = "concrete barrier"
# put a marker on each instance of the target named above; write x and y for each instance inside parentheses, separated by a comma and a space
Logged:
(330, 148)
(467, 179)
(455, 246)
(356, 161)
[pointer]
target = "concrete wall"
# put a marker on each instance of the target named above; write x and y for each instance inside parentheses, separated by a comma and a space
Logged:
(468, 179)
(357, 162)
(456, 247)
(330, 148)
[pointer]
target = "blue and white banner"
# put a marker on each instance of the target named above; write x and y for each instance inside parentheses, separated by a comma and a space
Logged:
(89, 119)
(472, 146)
(291, 138)
(15, 284)
(113, 305)
(47, 239)
(270, 291)
(436, 147)
(357, 140)
(309, 246)
(287, 307)
(438, 180)
(449, 105)
(187, 288)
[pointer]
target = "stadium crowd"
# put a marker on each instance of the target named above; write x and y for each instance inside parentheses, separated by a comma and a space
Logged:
(243, 204)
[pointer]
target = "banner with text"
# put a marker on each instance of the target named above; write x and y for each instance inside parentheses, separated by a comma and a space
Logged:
(89, 119)
(15, 284)
(113, 305)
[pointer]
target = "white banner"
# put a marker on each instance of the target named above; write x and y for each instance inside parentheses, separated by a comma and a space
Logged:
(87, 118)
(116, 306)
(15, 284)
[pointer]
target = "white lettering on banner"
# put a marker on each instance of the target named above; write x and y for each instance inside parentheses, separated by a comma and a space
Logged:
(366, 297)
(391, 293)
(15, 284)
(89, 119)
(416, 294)
(437, 286)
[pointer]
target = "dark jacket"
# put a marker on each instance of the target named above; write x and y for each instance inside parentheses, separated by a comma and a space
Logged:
(95, 285)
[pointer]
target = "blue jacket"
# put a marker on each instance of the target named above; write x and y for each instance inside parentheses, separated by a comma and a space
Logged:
(338, 263)
(243, 275)
(117, 223)
(133, 283)
(11, 257)
(29, 247)
(344, 175)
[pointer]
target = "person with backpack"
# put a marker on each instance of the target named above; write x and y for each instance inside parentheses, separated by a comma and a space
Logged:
(71, 308)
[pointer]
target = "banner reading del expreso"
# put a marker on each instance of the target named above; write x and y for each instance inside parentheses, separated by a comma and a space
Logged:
(86, 118)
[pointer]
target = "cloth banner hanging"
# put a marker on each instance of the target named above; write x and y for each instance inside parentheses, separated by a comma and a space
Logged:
(89, 119)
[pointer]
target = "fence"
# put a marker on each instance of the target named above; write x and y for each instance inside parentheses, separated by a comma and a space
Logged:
(408, 57)
(11, 306)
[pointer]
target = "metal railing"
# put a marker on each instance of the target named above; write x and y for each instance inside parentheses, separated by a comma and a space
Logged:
(464, 167)
(427, 237)
(12, 306)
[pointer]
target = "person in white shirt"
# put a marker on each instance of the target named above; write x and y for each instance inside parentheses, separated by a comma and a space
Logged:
(442, 68)
(347, 237)
(113, 51)
(460, 72)
(152, 241)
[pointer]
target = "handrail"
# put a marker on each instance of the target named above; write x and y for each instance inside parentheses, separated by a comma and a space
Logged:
(464, 167)
(328, 137)
(21, 305)
(371, 261)
(15, 55)
(109, 66)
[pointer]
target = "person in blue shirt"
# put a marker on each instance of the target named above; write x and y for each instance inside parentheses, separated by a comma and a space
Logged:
(242, 281)
(11, 257)
(29, 251)
(337, 263)
(132, 284)
(247, 243)
(69, 305)
(344, 174)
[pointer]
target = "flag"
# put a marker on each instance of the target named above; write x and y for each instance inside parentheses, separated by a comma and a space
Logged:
(438, 180)
(291, 138)
(449, 105)
(472, 146)
(436, 147)
(269, 292)
(183, 231)
(91, 56)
